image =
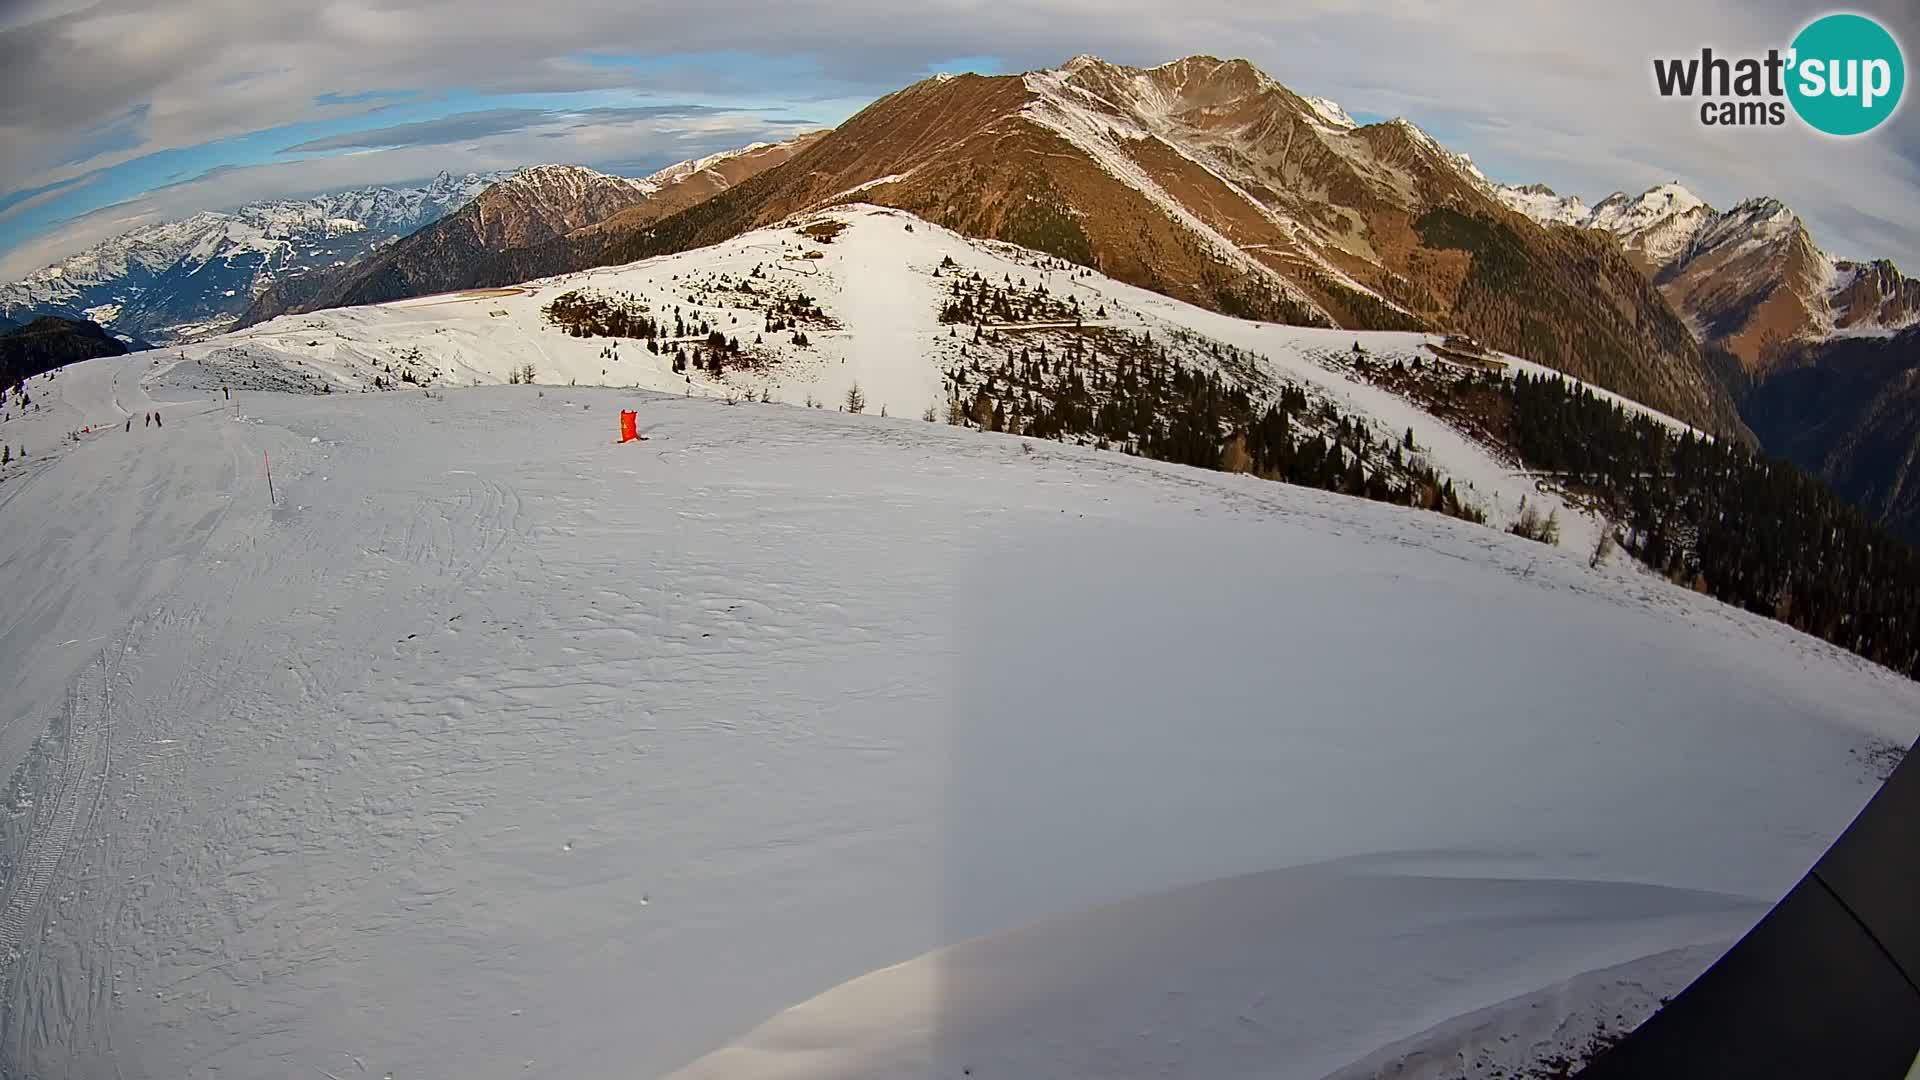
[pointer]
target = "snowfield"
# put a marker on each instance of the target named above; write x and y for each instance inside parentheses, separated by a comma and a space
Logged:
(789, 743)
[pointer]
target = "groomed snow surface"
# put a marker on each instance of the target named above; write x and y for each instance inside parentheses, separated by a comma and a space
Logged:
(789, 743)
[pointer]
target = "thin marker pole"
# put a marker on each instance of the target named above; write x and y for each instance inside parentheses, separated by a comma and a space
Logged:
(270, 497)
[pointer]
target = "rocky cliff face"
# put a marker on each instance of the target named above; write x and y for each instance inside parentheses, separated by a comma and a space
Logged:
(1750, 280)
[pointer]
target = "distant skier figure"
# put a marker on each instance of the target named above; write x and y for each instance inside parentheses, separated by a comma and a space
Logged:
(129, 421)
(146, 420)
(156, 420)
(227, 390)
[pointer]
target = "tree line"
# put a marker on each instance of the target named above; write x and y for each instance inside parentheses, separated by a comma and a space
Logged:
(1140, 400)
(1737, 525)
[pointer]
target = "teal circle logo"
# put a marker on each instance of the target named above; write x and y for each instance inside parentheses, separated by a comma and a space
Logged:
(1847, 74)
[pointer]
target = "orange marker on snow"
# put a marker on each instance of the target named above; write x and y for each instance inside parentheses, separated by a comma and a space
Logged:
(630, 426)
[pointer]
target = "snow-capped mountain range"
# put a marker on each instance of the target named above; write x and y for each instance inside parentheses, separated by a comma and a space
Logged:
(1750, 279)
(179, 280)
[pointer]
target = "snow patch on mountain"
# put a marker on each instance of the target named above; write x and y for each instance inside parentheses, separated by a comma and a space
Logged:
(1543, 204)
(684, 169)
(570, 184)
(891, 178)
(1661, 221)
(1621, 213)
(1664, 224)
(1330, 112)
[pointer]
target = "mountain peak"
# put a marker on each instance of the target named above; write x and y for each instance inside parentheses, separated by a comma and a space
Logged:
(1761, 207)
(1331, 112)
(1763, 220)
(1081, 62)
(1194, 77)
(561, 173)
(1543, 204)
(1205, 66)
(1674, 194)
(1629, 216)
(683, 169)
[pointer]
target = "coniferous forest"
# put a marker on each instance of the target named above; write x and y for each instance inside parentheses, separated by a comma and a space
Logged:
(1113, 390)
(1747, 529)
(1750, 530)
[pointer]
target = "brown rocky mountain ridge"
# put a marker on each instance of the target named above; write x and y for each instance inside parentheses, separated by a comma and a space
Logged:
(1750, 279)
(540, 203)
(1758, 287)
(692, 183)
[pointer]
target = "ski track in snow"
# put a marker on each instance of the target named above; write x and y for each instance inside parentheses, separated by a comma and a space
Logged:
(493, 747)
(79, 774)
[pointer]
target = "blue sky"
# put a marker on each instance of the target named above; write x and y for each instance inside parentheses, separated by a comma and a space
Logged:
(117, 112)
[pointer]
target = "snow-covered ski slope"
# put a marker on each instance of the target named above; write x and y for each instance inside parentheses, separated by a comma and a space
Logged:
(495, 748)
(880, 283)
